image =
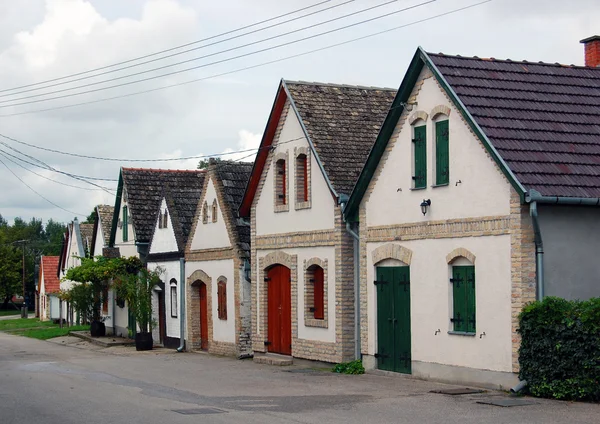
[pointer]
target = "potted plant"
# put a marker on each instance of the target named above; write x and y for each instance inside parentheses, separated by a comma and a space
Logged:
(136, 290)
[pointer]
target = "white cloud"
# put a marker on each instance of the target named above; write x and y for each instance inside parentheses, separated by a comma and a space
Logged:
(247, 141)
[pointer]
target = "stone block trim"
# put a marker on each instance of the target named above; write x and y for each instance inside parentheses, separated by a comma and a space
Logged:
(281, 185)
(193, 306)
(222, 348)
(440, 109)
(450, 228)
(298, 171)
(210, 254)
(309, 295)
(392, 251)
(297, 239)
(458, 253)
(419, 114)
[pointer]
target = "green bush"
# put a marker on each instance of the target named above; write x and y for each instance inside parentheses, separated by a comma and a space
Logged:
(354, 367)
(560, 348)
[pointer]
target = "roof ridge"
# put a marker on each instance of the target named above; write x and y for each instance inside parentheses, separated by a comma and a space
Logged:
(330, 84)
(493, 59)
(199, 171)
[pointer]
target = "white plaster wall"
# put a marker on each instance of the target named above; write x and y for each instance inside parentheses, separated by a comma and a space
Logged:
(163, 239)
(127, 248)
(171, 270)
(54, 307)
(482, 191)
(121, 318)
(212, 235)
(431, 303)
(99, 240)
(223, 330)
(320, 216)
(323, 253)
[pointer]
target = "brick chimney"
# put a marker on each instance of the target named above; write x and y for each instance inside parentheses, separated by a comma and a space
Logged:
(592, 51)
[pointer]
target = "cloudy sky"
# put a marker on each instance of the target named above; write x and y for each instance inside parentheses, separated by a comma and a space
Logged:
(42, 40)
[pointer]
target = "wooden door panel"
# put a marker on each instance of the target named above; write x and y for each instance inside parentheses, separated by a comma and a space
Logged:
(402, 357)
(286, 311)
(279, 310)
(203, 317)
(385, 333)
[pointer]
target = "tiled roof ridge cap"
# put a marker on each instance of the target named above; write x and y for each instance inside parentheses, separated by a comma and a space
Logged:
(524, 62)
(327, 84)
(198, 171)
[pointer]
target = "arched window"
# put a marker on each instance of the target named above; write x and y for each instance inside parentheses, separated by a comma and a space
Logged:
(463, 296)
(173, 284)
(205, 213)
(301, 178)
(222, 298)
(442, 154)
(280, 182)
(165, 219)
(214, 211)
(315, 293)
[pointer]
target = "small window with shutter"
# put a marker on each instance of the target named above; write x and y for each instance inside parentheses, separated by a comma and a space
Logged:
(205, 213)
(214, 211)
(463, 299)
(222, 299)
(419, 156)
(173, 284)
(281, 183)
(125, 224)
(442, 157)
(165, 218)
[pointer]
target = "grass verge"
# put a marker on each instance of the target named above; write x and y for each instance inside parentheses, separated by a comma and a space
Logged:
(50, 333)
(9, 313)
(16, 324)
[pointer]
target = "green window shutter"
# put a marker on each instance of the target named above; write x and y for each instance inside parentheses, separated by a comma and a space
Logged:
(442, 157)
(459, 299)
(420, 157)
(125, 224)
(470, 298)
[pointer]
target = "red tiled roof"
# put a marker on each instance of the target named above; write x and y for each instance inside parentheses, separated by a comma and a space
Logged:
(50, 270)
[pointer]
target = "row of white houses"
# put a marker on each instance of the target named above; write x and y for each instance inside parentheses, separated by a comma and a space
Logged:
(404, 227)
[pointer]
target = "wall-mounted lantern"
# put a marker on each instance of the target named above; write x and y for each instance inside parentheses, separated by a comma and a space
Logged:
(424, 205)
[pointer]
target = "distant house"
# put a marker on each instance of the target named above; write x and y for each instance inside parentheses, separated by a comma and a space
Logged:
(480, 193)
(137, 205)
(217, 264)
(48, 288)
(174, 218)
(303, 287)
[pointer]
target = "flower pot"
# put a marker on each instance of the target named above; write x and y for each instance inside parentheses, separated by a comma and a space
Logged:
(143, 341)
(97, 329)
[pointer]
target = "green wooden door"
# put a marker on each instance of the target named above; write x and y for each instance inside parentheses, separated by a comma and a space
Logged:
(393, 319)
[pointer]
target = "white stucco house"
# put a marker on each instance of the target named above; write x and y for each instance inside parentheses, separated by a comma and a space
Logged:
(470, 171)
(303, 288)
(217, 265)
(48, 288)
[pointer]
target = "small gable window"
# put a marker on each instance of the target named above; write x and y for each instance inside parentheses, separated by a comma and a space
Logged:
(173, 284)
(165, 219)
(301, 178)
(442, 159)
(315, 293)
(214, 211)
(280, 183)
(160, 219)
(463, 297)
(222, 298)
(125, 224)
(419, 155)
(205, 213)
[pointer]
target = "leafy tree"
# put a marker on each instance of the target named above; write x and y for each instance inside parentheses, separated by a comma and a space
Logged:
(10, 270)
(91, 218)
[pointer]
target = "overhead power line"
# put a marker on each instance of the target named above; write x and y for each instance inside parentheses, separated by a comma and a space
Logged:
(395, 12)
(40, 195)
(169, 49)
(166, 57)
(246, 68)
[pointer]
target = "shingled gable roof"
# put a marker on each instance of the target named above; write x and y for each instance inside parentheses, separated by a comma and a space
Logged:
(233, 177)
(145, 188)
(539, 121)
(181, 204)
(105, 214)
(340, 123)
(49, 269)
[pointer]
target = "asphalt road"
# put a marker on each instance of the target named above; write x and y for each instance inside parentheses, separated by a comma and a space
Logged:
(48, 383)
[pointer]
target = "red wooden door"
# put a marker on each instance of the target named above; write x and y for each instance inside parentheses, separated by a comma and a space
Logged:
(279, 299)
(203, 318)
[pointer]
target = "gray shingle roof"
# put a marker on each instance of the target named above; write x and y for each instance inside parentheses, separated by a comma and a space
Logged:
(342, 122)
(145, 190)
(105, 214)
(543, 119)
(87, 232)
(182, 205)
(234, 177)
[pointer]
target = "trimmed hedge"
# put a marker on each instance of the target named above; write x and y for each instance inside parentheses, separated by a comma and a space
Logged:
(560, 348)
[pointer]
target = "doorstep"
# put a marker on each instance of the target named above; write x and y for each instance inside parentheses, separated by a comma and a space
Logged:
(273, 359)
(106, 341)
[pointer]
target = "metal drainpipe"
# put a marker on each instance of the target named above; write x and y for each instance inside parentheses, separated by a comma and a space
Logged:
(182, 288)
(539, 250)
(356, 239)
